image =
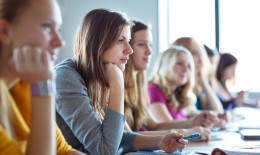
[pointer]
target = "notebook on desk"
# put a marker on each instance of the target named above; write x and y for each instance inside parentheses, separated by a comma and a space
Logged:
(160, 152)
(249, 126)
(250, 134)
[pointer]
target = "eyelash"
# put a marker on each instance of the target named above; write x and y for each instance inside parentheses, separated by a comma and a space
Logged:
(179, 63)
(120, 41)
(47, 26)
(142, 44)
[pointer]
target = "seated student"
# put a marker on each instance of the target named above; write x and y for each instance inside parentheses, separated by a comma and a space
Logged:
(226, 71)
(171, 84)
(136, 95)
(171, 87)
(206, 97)
(29, 39)
(213, 56)
(90, 90)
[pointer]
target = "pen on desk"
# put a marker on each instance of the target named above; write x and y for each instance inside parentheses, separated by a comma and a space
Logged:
(229, 107)
(201, 153)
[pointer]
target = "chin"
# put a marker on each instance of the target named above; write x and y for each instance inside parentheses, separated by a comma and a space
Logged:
(122, 68)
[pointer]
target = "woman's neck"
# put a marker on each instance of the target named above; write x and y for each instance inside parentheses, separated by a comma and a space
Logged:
(173, 87)
(135, 72)
(7, 72)
(10, 82)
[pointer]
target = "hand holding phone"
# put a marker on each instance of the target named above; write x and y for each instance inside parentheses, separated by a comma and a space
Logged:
(192, 136)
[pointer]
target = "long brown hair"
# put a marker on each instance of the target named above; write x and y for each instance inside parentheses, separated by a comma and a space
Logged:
(9, 11)
(136, 94)
(226, 60)
(98, 31)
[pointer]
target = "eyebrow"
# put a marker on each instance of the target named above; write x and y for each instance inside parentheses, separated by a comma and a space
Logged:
(124, 37)
(145, 41)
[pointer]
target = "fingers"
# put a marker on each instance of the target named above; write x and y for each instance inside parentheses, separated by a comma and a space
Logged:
(31, 64)
(209, 119)
(178, 145)
(204, 132)
(115, 76)
(170, 144)
(223, 117)
(205, 119)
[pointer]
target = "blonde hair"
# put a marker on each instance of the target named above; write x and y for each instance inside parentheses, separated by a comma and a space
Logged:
(5, 113)
(9, 11)
(161, 76)
(187, 42)
(136, 96)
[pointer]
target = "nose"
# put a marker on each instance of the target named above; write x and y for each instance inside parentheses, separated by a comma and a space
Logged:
(185, 69)
(148, 50)
(128, 49)
(57, 41)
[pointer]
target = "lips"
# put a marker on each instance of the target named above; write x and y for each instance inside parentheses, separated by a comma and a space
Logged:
(53, 55)
(124, 60)
(146, 59)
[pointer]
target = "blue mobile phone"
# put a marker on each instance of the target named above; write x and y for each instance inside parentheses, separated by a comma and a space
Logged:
(192, 136)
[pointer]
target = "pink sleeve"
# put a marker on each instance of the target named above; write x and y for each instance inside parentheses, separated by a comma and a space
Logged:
(156, 94)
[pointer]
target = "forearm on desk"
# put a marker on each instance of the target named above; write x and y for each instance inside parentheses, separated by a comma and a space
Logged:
(175, 124)
(143, 142)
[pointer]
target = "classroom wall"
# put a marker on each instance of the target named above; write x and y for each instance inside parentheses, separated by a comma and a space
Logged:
(74, 10)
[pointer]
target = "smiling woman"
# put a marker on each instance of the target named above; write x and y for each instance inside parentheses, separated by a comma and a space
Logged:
(29, 43)
(27, 47)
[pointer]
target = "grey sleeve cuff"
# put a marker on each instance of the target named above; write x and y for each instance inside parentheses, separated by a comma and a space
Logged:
(127, 142)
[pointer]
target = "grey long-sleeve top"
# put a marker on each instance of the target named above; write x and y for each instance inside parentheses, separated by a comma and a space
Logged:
(78, 121)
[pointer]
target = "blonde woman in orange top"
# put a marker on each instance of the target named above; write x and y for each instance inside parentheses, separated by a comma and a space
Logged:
(29, 39)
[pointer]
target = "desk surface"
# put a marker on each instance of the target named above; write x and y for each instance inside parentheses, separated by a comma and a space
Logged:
(230, 138)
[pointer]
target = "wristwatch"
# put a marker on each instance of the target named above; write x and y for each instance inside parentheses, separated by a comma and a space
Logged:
(42, 88)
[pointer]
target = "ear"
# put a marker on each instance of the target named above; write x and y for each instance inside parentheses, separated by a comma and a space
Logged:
(4, 31)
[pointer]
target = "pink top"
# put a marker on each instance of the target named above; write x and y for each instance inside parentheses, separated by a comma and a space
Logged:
(157, 95)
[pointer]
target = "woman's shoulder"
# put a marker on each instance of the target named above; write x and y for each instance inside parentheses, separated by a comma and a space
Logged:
(66, 68)
(65, 64)
(153, 86)
(66, 71)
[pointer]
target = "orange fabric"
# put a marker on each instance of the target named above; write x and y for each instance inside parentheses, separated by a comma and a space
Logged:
(20, 108)
(8, 145)
(21, 98)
